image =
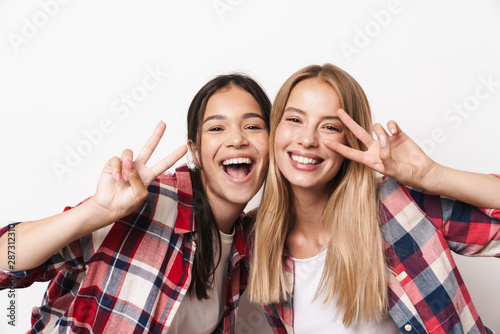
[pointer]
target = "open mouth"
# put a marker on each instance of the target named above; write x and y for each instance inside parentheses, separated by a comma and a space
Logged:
(303, 160)
(237, 168)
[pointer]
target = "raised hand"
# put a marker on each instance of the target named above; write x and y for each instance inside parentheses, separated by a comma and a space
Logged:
(394, 155)
(123, 183)
(121, 189)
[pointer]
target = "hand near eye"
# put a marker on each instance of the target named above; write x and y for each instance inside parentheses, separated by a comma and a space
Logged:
(123, 183)
(395, 155)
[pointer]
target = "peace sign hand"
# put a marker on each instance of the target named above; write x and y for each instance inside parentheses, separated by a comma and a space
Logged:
(123, 183)
(395, 155)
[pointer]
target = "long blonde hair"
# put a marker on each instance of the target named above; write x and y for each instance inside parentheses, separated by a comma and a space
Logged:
(355, 271)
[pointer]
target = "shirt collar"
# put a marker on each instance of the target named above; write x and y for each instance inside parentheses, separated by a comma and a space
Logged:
(185, 214)
(185, 222)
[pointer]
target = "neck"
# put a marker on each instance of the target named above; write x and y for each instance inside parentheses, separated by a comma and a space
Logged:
(309, 206)
(225, 213)
(308, 236)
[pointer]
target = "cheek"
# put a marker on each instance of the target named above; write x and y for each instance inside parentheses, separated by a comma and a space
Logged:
(283, 136)
(281, 140)
(208, 150)
(262, 144)
(338, 137)
(343, 139)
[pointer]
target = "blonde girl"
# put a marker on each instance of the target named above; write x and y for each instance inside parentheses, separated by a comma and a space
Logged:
(337, 252)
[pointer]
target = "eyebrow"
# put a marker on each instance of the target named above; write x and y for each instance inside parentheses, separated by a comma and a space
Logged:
(222, 117)
(302, 112)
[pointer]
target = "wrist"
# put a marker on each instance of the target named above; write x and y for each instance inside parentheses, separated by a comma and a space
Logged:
(99, 216)
(434, 178)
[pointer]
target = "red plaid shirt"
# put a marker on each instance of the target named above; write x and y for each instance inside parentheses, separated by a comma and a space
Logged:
(131, 276)
(426, 292)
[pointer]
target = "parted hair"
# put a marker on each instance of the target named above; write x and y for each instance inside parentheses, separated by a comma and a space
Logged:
(355, 273)
(208, 237)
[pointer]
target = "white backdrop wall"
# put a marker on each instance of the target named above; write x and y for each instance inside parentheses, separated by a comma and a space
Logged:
(82, 80)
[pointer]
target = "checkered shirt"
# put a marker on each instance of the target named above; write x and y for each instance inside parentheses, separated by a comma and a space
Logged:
(426, 292)
(131, 276)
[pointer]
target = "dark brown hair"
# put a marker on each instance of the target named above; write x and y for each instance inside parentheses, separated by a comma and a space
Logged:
(208, 232)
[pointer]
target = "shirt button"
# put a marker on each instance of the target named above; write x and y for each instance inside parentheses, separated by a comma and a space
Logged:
(408, 327)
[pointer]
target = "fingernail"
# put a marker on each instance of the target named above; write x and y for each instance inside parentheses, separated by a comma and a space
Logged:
(128, 164)
(383, 141)
(393, 130)
(125, 178)
(117, 177)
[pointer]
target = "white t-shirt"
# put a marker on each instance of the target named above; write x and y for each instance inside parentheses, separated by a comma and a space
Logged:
(199, 317)
(317, 317)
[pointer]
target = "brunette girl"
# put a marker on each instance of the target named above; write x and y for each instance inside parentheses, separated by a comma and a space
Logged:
(335, 252)
(151, 253)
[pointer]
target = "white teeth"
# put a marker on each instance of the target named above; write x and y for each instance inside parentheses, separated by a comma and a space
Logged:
(237, 161)
(303, 160)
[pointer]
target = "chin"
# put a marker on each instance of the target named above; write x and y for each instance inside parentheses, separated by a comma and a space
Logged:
(239, 199)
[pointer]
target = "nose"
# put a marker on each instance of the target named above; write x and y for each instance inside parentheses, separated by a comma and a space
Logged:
(309, 137)
(236, 138)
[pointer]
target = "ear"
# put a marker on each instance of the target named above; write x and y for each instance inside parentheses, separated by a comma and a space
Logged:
(195, 153)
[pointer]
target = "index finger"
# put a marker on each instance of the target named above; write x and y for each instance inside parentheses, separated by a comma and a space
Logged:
(151, 144)
(346, 151)
(355, 128)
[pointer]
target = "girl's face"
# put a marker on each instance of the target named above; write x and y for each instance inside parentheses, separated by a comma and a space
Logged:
(310, 116)
(234, 146)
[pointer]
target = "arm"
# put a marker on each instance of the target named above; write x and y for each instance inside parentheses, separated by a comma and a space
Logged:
(399, 157)
(122, 187)
(481, 190)
(37, 241)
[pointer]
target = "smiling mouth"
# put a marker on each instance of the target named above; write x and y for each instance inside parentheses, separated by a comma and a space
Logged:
(237, 168)
(303, 160)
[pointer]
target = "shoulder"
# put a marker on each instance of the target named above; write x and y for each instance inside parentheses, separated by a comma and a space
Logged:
(251, 216)
(179, 181)
(248, 220)
(170, 199)
(394, 196)
(388, 188)
(394, 199)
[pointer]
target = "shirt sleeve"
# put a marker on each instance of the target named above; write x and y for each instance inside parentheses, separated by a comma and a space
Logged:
(69, 257)
(468, 230)
(73, 257)
(494, 213)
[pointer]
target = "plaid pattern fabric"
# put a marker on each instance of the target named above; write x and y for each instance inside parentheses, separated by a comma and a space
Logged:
(131, 276)
(426, 292)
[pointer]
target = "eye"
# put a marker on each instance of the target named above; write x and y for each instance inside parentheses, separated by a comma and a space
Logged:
(253, 127)
(215, 129)
(293, 119)
(332, 128)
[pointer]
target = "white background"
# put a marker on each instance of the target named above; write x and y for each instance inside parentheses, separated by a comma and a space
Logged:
(66, 66)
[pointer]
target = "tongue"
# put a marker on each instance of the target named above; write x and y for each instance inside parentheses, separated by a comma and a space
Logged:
(237, 171)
